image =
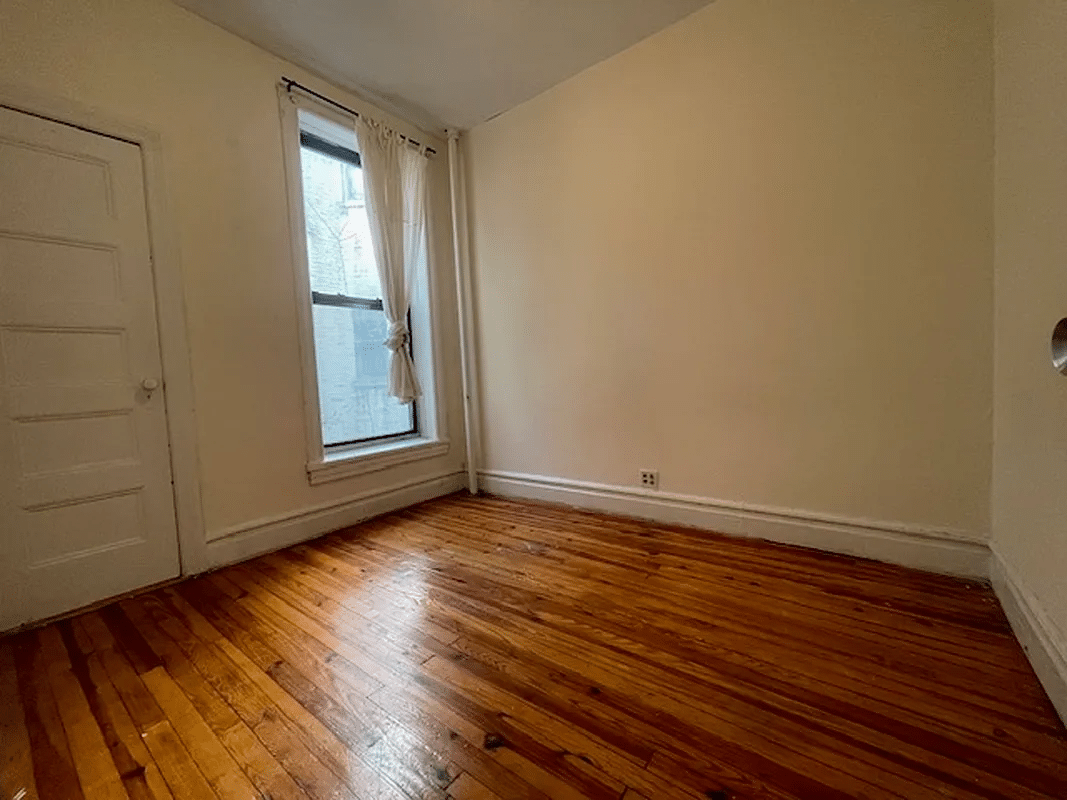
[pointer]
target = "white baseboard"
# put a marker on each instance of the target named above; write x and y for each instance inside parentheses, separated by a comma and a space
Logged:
(936, 550)
(273, 533)
(1045, 645)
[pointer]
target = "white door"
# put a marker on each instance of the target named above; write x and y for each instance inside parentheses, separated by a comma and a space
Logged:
(86, 508)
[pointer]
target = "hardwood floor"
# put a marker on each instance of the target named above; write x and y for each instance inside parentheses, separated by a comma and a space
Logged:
(478, 648)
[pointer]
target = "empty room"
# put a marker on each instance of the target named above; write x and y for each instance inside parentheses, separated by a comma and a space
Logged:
(533, 399)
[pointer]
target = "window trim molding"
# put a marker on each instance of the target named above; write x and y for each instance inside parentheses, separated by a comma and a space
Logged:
(347, 462)
(322, 464)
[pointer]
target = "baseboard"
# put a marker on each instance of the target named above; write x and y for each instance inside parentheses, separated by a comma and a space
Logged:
(1044, 644)
(263, 536)
(935, 550)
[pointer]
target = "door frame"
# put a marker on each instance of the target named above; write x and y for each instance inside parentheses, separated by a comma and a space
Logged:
(170, 307)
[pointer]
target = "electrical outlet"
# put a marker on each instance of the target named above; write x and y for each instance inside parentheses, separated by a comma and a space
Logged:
(649, 478)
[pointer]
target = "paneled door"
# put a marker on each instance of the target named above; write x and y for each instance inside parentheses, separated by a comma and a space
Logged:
(85, 483)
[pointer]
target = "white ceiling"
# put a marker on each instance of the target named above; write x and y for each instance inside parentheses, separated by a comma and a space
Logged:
(445, 62)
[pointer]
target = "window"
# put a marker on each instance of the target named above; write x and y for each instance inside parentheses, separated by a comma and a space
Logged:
(353, 424)
(350, 327)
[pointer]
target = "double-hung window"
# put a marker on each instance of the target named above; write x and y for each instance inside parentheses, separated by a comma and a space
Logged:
(346, 295)
(357, 417)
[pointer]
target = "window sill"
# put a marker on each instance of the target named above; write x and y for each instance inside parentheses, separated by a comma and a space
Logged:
(346, 463)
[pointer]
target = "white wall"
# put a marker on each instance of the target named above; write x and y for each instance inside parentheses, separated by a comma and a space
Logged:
(212, 98)
(1030, 430)
(754, 252)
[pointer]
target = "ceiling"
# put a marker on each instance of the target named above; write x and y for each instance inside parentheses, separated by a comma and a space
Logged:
(445, 63)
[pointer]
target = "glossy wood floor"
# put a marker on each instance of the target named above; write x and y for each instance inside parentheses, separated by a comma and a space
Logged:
(479, 648)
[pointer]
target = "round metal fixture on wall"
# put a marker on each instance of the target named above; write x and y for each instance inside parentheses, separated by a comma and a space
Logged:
(1059, 346)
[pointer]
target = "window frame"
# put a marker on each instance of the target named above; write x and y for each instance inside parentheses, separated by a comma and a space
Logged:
(323, 146)
(429, 439)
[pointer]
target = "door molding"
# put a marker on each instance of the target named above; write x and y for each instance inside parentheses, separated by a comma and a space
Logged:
(170, 306)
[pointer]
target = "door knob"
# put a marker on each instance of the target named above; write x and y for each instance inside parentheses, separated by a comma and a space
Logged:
(149, 384)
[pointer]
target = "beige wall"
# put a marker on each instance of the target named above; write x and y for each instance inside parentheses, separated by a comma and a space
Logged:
(754, 252)
(212, 98)
(1030, 431)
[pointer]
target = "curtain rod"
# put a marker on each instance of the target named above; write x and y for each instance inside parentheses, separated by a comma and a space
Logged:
(289, 83)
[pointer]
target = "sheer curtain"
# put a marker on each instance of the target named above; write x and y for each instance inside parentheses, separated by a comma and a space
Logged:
(394, 178)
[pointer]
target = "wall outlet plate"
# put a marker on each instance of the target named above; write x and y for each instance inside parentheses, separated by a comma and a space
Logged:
(649, 478)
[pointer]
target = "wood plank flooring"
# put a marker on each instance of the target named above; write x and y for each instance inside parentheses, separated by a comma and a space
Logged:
(482, 649)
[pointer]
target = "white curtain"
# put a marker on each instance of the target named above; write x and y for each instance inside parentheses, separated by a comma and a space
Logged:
(394, 178)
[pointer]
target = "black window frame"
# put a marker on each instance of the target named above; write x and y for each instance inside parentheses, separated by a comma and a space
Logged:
(345, 154)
